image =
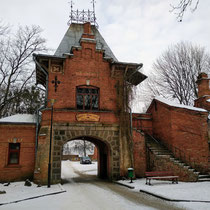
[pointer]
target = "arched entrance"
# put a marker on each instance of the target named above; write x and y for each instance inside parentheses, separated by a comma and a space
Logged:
(103, 155)
(105, 137)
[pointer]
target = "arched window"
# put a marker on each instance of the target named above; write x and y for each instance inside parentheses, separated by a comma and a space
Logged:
(87, 98)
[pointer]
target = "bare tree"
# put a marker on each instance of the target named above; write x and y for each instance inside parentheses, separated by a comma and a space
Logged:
(66, 149)
(3, 28)
(146, 91)
(175, 73)
(16, 70)
(182, 7)
(25, 101)
(83, 146)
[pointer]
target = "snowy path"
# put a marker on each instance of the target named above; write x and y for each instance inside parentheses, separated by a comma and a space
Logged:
(86, 192)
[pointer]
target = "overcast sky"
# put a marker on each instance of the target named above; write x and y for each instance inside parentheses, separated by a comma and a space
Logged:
(136, 30)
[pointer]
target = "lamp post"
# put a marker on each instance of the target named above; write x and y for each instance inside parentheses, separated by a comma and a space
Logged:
(52, 101)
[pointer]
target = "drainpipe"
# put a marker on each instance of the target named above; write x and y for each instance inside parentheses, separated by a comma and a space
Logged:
(131, 119)
(131, 140)
(37, 128)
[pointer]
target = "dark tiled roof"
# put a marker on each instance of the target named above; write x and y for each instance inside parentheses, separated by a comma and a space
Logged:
(72, 39)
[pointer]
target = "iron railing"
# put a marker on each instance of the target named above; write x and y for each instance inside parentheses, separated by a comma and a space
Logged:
(138, 125)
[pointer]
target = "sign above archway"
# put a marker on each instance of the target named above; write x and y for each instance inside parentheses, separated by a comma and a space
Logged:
(88, 117)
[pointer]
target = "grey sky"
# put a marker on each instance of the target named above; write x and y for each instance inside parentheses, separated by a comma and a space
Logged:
(136, 30)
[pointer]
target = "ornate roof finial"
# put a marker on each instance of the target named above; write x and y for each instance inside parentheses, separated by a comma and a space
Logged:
(94, 15)
(83, 16)
(71, 14)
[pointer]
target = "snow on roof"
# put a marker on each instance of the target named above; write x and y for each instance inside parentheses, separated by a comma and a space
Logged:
(19, 118)
(172, 103)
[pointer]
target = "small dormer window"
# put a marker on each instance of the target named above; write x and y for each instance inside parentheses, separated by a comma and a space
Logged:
(87, 98)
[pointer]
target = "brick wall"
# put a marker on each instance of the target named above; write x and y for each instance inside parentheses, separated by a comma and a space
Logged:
(161, 121)
(139, 154)
(184, 129)
(25, 135)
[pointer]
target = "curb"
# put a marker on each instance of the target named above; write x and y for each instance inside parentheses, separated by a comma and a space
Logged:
(125, 185)
(172, 200)
(31, 198)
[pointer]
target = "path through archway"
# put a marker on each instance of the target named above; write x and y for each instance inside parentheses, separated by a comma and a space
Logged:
(103, 155)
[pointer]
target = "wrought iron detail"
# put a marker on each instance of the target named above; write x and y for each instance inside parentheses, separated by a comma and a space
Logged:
(78, 16)
(56, 82)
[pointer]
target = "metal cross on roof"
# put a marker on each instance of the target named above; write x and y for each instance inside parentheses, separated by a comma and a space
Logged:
(56, 82)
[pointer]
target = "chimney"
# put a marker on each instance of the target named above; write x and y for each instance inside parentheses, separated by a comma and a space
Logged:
(87, 35)
(203, 85)
(87, 28)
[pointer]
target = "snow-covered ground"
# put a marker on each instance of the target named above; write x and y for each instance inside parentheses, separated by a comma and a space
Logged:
(84, 191)
(190, 191)
(16, 191)
(90, 169)
(198, 191)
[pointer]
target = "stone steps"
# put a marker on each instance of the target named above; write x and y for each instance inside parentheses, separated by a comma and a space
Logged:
(162, 152)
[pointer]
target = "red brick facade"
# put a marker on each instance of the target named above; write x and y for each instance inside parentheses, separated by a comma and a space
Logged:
(139, 154)
(183, 130)
(25, 135)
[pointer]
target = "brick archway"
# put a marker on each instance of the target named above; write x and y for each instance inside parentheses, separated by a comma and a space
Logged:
(105, 137)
